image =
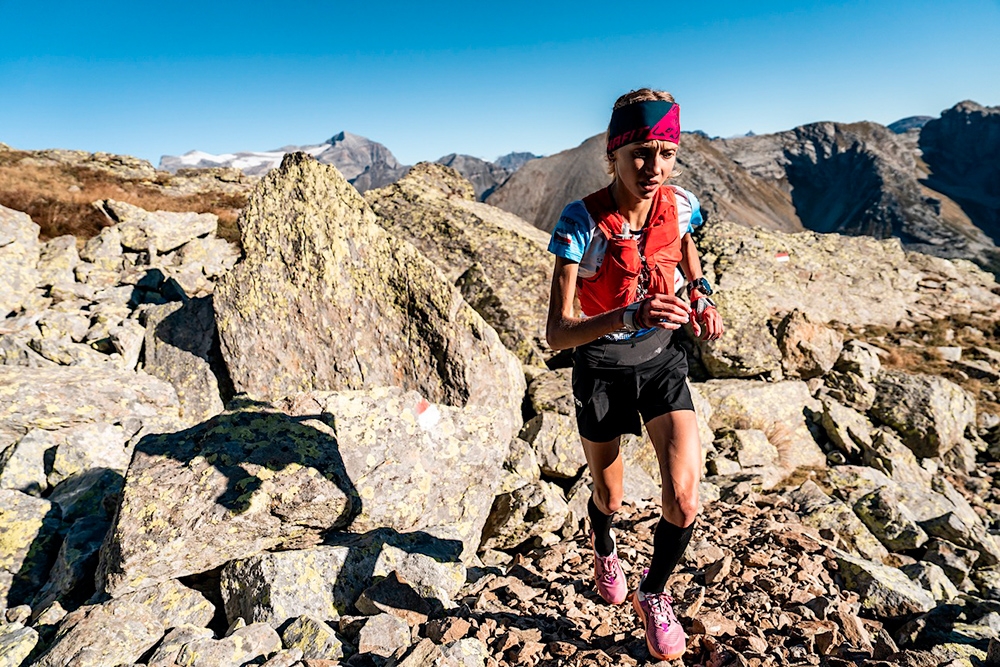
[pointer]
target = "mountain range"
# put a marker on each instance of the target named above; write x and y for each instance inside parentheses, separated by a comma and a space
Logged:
(934, 183)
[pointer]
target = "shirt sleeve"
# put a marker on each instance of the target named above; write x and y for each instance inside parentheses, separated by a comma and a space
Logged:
(572, 233)
(688, 210)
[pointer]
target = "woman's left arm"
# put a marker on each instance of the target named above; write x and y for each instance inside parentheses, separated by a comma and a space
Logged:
(707, 322)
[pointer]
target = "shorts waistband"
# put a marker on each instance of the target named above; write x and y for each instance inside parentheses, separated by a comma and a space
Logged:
(628, 352)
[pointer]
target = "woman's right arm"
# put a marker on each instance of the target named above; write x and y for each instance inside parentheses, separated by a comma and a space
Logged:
(562, 329)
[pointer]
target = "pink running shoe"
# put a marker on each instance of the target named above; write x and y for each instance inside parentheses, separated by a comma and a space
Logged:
(608, 574)
(665, 637)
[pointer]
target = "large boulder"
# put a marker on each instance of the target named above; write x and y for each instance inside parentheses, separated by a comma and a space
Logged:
(258, 478)
(930, 412)
(28, 542)
(885, 591)
(808, 348)
(179, 338)
(326, 299)
(777, 408)
(502, 261)
(112, 633)
(19, 253)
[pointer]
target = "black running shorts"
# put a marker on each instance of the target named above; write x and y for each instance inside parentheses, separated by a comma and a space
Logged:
(615, 383)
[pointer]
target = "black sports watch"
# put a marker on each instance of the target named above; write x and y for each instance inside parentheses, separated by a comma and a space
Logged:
(700, 284)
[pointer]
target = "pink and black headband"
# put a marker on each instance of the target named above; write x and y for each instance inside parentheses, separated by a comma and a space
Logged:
(644, 121)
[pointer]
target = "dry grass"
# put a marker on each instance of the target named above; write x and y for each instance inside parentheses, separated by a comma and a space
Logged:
(59, 197)
(923, 358)
(778, 434)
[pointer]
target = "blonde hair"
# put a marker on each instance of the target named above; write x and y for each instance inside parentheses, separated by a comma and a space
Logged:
(631, 97)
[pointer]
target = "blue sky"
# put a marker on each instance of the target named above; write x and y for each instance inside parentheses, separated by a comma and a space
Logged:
(427, 79)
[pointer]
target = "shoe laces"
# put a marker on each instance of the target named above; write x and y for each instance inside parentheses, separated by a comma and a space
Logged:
(609, 565)
(661, 610)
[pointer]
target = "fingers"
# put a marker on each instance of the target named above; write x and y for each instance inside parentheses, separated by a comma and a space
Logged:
(713, 328)
(661, 308)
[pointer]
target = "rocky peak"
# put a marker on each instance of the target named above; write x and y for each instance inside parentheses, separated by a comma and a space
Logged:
(484, 176)
(962, 152)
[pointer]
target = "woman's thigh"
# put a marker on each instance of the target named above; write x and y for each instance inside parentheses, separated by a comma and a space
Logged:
(678, 450)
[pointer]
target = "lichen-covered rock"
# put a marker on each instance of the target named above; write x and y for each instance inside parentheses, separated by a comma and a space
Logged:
(179, 338)
(22, 465)
(525, 512)
(932, 578)
(106, 634)
(885, 591)
(394, 446)
(499, 260)
(777, 408)
(748, 349)
(987, 581)
(19, 252)
(173, 603)
(170, 646)
(28, 543)
(851, 533)
(326, 299)
(314, 638)
(808, 348)
(552, 391)
(54, 398)
(520, 466)
(249, 480)
(928, 411)
(247, 645)
(160, 231)
(103, 252)
(86, 447)
(383, 634)
(890, 520)
(466, 652)
(556, 443)
(57, 261)
(275, 587)
(848, 429)
(16, 644)
(859, 358)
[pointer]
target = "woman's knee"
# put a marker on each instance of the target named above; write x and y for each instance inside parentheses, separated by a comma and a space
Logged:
(682, 508)
(608, 500)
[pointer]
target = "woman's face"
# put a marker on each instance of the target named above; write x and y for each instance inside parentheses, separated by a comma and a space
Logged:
(643, 167)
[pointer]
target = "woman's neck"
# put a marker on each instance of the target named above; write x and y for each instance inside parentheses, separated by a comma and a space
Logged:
(635, 211)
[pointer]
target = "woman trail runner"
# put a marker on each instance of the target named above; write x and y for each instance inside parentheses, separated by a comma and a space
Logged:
(623, 252)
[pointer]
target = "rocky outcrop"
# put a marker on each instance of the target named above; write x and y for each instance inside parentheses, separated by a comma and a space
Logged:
(541, 188)
(861, 178)
(19, 254)
(498, 261)
(325, 299)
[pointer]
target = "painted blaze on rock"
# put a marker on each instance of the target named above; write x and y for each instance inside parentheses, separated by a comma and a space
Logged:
(326, 299)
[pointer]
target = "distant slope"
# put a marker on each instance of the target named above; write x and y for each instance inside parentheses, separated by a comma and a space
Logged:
(541, 188)
(484, 176)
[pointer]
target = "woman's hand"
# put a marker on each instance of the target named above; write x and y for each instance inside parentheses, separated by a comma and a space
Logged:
(664, 311)
(707, 324)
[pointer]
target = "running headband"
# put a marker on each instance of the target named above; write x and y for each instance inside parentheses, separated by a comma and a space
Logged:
(644, 121)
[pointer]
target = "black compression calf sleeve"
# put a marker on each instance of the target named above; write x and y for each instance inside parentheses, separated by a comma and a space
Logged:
(600, 523)
(669, 543)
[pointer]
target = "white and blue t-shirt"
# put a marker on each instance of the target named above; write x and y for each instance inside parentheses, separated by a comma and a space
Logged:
(577, 238)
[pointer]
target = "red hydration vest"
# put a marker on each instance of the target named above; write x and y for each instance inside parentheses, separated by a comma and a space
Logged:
(616, 282)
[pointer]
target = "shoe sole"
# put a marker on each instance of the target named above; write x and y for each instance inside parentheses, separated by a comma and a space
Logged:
(653, 652)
